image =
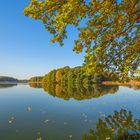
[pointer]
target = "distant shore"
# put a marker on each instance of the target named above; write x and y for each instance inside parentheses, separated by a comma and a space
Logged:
(119, 83)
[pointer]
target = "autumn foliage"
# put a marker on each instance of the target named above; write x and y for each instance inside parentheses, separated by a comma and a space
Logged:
(110, 36)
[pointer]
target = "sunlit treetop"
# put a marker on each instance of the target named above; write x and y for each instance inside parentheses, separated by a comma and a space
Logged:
(110, 37)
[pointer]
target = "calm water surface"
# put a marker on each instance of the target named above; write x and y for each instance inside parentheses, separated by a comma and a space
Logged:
(28, 113)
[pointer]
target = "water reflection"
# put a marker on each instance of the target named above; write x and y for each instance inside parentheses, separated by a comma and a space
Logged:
(7, 85)
(35, 85)
(79, 92)
(135, 87)
(31, 114)
(119, 126)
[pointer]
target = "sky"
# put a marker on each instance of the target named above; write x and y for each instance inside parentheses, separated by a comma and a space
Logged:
(25, 48)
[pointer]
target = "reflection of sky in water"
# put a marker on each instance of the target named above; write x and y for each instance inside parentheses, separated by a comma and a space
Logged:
(54, 118)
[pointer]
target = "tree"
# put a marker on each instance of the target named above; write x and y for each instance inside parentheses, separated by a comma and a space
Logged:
(60, 72)
(138, 72)
(110, 36)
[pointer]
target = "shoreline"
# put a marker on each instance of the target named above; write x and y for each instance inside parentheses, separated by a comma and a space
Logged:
(119, 83)
(106, 83)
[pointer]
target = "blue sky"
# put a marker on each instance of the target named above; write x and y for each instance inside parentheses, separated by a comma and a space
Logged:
(25, 50)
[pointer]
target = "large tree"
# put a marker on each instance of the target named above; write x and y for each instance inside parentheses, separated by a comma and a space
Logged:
(110, 36)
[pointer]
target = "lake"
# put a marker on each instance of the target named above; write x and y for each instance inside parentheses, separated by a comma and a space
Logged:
(102, 112)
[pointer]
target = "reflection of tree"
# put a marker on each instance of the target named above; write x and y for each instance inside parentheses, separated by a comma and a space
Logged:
(35, 85)
(120, 126)
(78, 92)
(135, 87)
(7, 85)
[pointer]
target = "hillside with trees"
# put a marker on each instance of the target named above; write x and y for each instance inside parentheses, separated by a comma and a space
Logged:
(6, 79)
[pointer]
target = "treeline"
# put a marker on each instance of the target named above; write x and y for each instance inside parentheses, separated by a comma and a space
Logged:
(4, 79)
(11, 80)
(135, 78)
(77, 75)
(37, 79)
(67, 75)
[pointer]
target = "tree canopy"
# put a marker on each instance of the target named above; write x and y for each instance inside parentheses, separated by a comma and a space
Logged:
(110, 36)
